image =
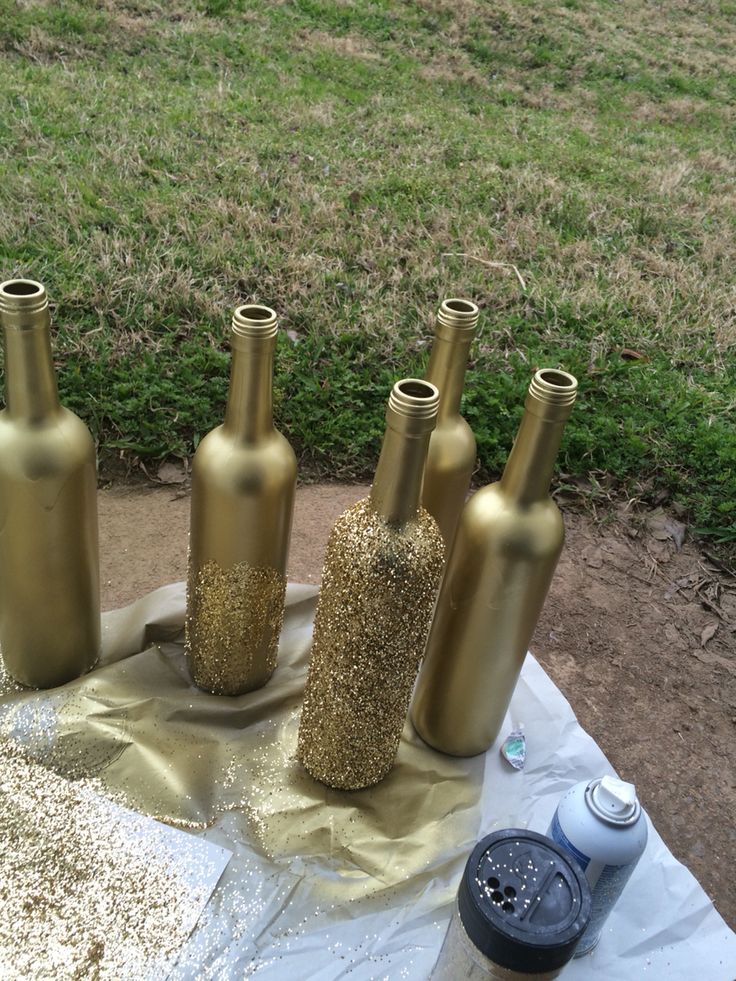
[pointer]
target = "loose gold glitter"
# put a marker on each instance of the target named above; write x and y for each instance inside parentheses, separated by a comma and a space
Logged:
(88, 890)
(378, 588)
(311, 865)
(234, 618)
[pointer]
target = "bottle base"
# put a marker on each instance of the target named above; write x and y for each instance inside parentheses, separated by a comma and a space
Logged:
(213, 689)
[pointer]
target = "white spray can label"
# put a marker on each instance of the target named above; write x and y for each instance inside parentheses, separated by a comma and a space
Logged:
(601, 824)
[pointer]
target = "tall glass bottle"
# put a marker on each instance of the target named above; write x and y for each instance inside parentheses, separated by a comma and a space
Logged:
(382, 568)
(451, 456)
(49, 563)
(508, 541)
(243, 485)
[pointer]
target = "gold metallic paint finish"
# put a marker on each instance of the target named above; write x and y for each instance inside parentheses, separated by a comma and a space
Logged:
(452, 451)
(243, 485)
(382, 568)
(508, 541)
(49, 565)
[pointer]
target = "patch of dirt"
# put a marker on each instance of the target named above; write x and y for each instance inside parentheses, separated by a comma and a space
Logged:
(638, 632)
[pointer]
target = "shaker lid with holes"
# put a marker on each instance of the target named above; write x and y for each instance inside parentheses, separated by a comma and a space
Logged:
(523, 902)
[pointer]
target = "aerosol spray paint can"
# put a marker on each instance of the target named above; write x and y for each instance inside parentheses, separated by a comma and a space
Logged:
(521, 908)
(602, 825)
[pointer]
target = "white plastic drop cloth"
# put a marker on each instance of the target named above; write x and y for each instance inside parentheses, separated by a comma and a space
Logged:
(331, 885)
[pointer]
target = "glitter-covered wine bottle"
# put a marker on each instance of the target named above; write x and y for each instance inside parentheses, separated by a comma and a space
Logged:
(451, 456)
(499, 570)
(49, 565)
(382, 569)
(243, 485)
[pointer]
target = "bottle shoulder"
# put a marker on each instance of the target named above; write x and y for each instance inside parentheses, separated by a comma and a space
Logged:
(57, 443)
(452, 443)
(222, 458)
(491, 516)
(362, 538)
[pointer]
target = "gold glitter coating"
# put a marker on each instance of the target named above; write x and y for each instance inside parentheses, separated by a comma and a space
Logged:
(234, 618)
(378, 589)
(88, 890)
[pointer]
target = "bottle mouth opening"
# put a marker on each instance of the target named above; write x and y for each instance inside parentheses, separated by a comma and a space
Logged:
(461, 306)
(416, 389)
(22, 295)
(21, 287)
(552, 386)
(255, 320)
(459, 314)
(414, 398)
(559, 379)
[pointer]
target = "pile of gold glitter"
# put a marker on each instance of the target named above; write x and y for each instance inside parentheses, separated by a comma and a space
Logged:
(378, 589)
(234, 618)
(86, 890)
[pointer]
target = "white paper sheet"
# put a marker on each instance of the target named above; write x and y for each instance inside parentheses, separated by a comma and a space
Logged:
(664, 926)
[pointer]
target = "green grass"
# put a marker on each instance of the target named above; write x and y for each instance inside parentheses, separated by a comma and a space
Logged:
(162, 162)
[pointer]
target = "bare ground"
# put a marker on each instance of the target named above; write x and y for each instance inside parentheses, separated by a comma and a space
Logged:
(638, 632)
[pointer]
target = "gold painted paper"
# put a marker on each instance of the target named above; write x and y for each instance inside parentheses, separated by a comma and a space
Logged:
(138, 731)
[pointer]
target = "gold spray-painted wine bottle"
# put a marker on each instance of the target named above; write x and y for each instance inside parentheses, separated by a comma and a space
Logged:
(243, 485)
(49, 563)
(508, 541)
(451, 456)
(382, 568)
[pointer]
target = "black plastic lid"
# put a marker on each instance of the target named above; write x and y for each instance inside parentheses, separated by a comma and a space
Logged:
(523, 901)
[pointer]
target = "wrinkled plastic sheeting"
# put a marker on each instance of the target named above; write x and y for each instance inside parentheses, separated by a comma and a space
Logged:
(326, 884)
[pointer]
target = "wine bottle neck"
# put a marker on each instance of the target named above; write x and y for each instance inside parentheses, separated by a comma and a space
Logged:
(530, 466)
(249, 413)
(410, 418)
(456, 324)
(397, 485)
(446, 369)
(31, 393)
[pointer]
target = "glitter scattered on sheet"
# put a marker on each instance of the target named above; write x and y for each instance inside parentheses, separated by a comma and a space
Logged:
(87, 889)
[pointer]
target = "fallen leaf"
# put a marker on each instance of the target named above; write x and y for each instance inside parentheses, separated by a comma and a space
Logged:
(715, 660)
(673, 635)
(660, 551)
(708, 633)
(663, 527)
(676, 530)
(171, 473)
